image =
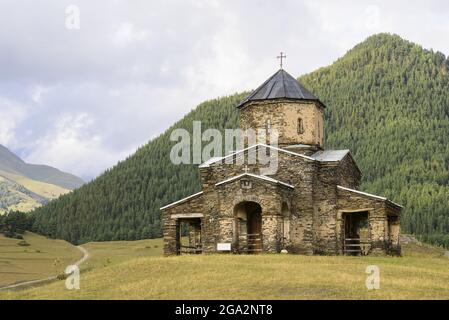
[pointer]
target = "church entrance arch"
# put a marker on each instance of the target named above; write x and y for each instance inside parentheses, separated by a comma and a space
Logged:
(248, 216)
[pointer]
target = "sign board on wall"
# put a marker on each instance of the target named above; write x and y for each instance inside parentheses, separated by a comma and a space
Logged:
(223, 247)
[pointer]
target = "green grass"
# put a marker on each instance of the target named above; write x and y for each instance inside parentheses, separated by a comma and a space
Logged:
(136, 271)
(41, 259)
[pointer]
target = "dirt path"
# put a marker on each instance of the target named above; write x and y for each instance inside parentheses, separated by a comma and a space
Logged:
(85, 256)
(45, 280)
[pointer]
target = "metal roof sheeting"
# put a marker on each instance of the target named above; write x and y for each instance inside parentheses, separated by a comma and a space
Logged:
(280, 85)
(330, 155)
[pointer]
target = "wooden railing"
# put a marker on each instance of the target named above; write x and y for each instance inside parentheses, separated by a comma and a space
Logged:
(253, 242)
(357, 246)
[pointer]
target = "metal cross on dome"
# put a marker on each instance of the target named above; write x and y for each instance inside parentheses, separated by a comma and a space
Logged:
(281, 56)
(245, 169)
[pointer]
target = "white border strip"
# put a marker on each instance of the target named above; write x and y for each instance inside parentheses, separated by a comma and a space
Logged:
(257, 177)
(181, 201)
(368, 194)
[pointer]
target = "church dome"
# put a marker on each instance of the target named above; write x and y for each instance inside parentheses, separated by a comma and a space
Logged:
(280, 85)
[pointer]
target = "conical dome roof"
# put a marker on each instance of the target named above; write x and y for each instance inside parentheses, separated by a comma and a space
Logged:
(280, 85)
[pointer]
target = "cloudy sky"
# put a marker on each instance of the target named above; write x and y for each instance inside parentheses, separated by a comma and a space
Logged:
(80, 99)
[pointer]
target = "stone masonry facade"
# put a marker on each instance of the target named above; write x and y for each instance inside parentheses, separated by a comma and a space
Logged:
(309, 205)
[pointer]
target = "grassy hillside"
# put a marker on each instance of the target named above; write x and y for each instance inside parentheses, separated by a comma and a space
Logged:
(24, 194)
(388, 101)
(15, 197)
(39, 259)
(45, 190)
(25, 187)
(422, 273)
(11, 163)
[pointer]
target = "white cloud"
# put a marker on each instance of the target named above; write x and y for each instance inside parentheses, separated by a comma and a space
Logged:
(69, 147)
(11, 114)
(126, 33)
(38, 92)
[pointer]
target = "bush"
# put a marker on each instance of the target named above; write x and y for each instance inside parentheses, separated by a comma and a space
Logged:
(9, 234)
(61, 276)
(23, 243)
(13, 235)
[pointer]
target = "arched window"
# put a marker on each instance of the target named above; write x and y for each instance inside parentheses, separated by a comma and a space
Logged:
(268, 126)
(319, 129)
(300, 126)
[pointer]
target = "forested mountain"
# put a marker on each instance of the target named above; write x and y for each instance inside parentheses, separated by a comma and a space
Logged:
(25, 186)
(124, 202)
(387, 100)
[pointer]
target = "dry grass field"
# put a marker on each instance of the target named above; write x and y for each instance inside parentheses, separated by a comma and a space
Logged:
(102, 254)
(46, 190)
(135, 270)
(39, 259)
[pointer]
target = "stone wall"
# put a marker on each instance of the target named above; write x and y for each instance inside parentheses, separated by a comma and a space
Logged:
(349, 175)
(311, 211)
(268, 195)
(170, 226)
(377, 218)
(194, 233)
(292, 169)
(283, 115)
(325, 199)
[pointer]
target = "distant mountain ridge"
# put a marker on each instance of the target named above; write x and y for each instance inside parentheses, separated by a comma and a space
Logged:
(25, 187)
(9, 162)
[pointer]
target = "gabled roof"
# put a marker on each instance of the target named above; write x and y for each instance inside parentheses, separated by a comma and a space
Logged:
(280, 85)
(265, 178)
(182, 200)
(217, 159)
(334, 156)
(205, 164)
(369, 195)
(330, 155)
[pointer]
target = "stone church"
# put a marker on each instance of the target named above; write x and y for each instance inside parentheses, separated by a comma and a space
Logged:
(310, 205)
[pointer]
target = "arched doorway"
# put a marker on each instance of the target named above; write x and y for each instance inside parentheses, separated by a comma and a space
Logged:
(248, 216)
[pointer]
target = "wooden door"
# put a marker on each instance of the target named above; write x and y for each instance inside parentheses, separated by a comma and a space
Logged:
(254, 232)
